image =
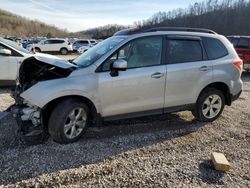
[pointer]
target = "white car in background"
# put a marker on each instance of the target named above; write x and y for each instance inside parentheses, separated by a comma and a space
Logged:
(83, 45)
(11, 56)
(52, 45)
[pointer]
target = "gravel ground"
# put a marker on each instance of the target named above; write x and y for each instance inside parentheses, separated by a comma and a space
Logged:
(161, 151)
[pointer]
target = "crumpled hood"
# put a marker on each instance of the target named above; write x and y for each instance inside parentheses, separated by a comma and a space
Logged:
(42, 67)
(53, 60)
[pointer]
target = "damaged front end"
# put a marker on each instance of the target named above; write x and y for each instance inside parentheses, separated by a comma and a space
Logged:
(29, 121)
(33, 70)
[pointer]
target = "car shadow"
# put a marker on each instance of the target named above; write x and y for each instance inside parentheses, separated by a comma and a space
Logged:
(98, 144)
(209, 175)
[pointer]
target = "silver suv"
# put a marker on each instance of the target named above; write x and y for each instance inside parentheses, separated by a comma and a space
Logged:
(133, 73)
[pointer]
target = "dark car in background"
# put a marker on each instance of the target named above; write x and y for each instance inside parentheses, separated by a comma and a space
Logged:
(242, 47)
(26, 43)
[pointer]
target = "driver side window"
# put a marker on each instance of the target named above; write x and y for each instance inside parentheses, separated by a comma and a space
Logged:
(13, 53)
(138, 53)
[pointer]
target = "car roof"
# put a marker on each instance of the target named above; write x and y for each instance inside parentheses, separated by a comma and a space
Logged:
(55, 39)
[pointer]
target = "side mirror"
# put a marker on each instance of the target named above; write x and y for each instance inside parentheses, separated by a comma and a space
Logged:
(118, 65)
(6, 52)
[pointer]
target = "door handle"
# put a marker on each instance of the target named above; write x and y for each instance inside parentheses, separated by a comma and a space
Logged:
(157, 75)
(204, 68)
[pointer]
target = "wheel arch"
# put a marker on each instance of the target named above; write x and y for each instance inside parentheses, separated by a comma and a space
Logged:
(49, 107)
(36, 47)
(64, 49)
(223, 87)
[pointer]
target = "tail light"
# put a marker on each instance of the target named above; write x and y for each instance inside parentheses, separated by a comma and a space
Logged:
(238, 63)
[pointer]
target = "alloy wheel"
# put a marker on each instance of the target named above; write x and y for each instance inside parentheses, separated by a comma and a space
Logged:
(75, 123)
(212, 106)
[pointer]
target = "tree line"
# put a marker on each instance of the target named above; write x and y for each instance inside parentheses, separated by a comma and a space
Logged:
(14, 25)
(228, 17)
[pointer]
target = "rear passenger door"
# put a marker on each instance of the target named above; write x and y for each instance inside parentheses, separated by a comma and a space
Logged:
(188, 70)
(56, 45)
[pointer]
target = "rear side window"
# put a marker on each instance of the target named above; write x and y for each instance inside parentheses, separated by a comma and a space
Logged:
(234, 41)
(182, 51)
(83, 42)
(215, 48)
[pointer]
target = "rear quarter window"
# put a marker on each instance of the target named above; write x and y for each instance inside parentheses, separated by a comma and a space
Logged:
(215, 49)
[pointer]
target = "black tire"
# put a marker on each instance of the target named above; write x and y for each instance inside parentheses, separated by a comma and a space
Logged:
(64, 51)
(59, 117)
(198, 111)
(37, 50)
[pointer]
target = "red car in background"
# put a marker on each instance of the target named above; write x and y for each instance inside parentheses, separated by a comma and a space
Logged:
(242, 46)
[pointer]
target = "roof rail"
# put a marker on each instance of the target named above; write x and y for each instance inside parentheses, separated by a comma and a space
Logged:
(132, 31)
(181, 29)
(129, 31)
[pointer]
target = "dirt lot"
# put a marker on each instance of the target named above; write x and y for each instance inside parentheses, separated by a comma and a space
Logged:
(160, 151)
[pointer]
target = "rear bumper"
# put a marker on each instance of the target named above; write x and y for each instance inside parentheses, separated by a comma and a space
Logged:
(235, 97)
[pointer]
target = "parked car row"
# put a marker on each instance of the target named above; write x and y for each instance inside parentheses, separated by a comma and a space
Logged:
(58, 45)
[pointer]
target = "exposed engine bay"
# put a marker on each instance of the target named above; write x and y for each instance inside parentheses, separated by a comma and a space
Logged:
(36, 68)
(32, 71)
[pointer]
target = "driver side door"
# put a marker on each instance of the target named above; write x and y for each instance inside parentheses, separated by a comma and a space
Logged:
(8, 65)
(138, 90)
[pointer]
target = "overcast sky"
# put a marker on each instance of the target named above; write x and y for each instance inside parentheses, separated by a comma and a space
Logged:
(76, 15)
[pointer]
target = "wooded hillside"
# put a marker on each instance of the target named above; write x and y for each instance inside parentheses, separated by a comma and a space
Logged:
(228, 17)
(15, 25)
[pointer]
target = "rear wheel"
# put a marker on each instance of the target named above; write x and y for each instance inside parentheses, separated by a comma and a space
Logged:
(64, 51)
(68, 121)
(210, 105)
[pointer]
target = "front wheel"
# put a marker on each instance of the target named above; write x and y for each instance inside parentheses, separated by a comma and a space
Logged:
(210, 105)
(68, 121)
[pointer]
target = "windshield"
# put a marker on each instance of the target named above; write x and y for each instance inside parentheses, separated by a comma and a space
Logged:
(96, 52)
(14, 45)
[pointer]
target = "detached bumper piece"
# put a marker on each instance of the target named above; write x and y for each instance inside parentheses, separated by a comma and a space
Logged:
(29, 123)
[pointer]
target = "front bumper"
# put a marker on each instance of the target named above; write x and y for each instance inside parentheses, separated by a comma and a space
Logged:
(29, 124)
(29, 120)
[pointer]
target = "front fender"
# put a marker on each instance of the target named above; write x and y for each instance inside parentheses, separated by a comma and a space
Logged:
(43, 92)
